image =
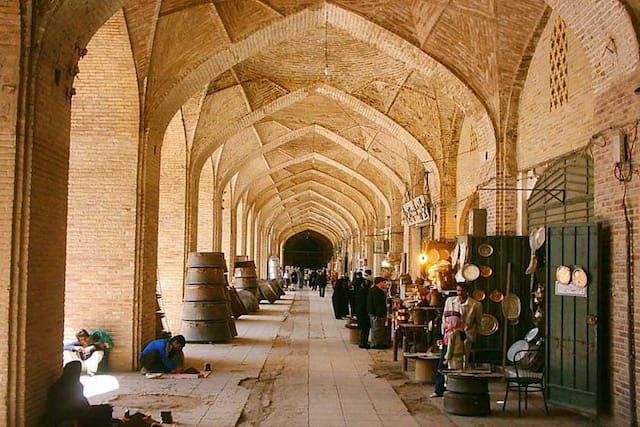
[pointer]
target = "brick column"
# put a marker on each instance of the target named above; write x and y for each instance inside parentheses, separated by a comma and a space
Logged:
(9, 76)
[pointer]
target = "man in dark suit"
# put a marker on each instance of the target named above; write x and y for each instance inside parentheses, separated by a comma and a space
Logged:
(377, 309)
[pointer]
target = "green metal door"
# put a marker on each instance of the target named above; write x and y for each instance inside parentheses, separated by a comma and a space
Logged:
(573, 323)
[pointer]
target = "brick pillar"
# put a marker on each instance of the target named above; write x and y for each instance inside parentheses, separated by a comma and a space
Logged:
(10, 54)
(171, 222)
(103, 161)
(205, 202)
(243, 231)
(217, 217)
(233, 231)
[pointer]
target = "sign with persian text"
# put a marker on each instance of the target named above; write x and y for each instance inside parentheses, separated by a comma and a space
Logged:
(415, 211)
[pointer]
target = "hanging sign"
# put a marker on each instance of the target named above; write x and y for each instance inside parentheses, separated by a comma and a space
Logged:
(570, 290)
(415, 211)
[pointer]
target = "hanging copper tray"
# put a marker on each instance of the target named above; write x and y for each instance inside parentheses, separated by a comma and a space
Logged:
(488, 324)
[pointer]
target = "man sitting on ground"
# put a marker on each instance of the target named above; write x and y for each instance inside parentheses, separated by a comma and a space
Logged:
(89, 349)
(163, 355)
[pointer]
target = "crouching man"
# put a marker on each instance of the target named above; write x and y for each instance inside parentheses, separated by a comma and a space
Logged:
(163, 355)
(90, 350)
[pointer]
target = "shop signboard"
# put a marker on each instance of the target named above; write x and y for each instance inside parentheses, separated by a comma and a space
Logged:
(381, 246)
(415, 211)
(570, 290)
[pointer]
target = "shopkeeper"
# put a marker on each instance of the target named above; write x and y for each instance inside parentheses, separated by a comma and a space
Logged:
(470, 312)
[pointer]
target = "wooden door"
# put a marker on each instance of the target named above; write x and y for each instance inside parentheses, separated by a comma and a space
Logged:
(574, 359)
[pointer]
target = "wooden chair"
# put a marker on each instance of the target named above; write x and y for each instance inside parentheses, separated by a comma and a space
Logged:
(525, 377)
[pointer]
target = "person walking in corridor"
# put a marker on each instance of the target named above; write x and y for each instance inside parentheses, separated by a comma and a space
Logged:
(377, 309)
(322, 283)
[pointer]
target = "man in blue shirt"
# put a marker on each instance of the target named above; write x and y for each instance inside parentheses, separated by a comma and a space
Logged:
(163, 355)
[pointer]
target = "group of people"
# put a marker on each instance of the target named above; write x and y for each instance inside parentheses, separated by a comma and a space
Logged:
(90, 349)
(297, 278)
(367, 302)
(66, 403)
(460, 325)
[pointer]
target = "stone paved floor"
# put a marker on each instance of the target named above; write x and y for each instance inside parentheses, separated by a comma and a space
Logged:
(292, 365)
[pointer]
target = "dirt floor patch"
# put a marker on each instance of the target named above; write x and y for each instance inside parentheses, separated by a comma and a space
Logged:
(157, 401)
(390, 371)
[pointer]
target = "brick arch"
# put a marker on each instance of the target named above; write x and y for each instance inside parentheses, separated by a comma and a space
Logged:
(204, 148)
(312, 216)
(346, 218)
(309, 226)
(347, 214)
(315, 156)
(59, 30)
(296, 25)
(332, 136)
(273, 204)
(323, 179)
(311, 213)
(316, 218)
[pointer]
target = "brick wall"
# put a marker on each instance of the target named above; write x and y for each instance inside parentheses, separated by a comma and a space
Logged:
(205, 208)
(171, 221)
(225, 231)
(547, 133)
(10, 54)
(473, 168)
(614, 108)
(102, 192)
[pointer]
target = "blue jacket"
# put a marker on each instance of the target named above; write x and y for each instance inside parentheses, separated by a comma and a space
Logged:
(161, 346)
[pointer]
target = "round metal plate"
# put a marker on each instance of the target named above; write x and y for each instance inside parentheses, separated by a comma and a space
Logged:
(532, 335)
(515, 348)
(488, 325)
(485, 250)
(470, 272)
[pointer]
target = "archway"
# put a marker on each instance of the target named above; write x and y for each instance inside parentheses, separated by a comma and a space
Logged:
(308, 249)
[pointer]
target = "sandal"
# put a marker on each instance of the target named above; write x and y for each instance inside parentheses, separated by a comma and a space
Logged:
(432, 395)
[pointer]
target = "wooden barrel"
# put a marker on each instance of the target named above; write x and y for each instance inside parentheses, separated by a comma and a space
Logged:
(207, 330)
(237, 306)
(467, 385)
(210, 275)
(244, 269)
(276, 287)
(267, 292)
(249, 300)
(247, 283)
(205, 310)
(206, 259)
(466, 404)
(205, 293)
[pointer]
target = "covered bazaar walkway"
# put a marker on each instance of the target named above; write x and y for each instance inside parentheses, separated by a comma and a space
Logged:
(292, 364)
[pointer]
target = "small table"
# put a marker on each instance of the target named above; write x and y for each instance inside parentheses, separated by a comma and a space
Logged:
(468, 391)
(426, 366)
(401, 334)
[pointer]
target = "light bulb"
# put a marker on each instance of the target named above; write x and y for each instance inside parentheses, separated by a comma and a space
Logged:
(326, 70)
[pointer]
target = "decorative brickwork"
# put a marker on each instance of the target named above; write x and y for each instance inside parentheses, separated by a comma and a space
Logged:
(558, 61)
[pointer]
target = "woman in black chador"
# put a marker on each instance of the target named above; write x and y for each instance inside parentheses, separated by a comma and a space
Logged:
(67, 405)
(340, 298)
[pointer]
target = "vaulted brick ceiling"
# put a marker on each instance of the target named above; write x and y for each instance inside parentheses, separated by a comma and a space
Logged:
(376, 86)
